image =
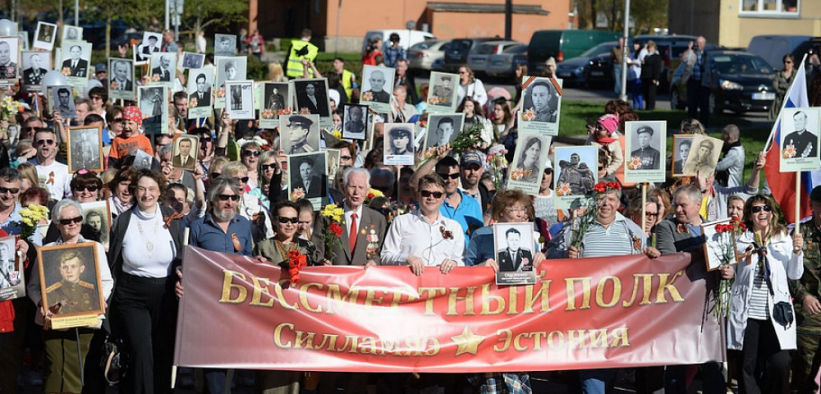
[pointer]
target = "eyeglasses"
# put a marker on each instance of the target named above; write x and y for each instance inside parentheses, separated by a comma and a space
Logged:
(651, 214)
(292, 220)
(243, 179)
(66, 222)
(47, 142)
(455, 175)
(428, 193)
(91, 188)
(255, 153)
(4, 190)
(205, 139)
(117, 120)
(226, 197)
(25, 129)
(215, 174)
(759, 208)
(96, 97)
(272, 166)
(345, 157)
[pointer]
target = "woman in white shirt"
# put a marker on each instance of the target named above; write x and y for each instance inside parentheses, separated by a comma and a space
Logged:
(470, 86)
(425, 238)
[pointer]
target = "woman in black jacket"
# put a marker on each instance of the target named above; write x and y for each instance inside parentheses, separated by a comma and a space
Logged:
(651, 74)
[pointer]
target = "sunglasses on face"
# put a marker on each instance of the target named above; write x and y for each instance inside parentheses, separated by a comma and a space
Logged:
(345, 157)
(271, 166)
(243, 179)
(255, 153)
(4, 190)
(91, 188)
(66, 222)
(47, 142)
(455, 175)
(118, 120)
(759, 208)
(215, 174)
(428, 193)
(292, 220)
(205, 139)
(226, 197)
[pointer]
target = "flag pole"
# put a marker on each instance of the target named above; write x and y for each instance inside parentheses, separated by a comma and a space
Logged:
(643, 206)
(797, 201)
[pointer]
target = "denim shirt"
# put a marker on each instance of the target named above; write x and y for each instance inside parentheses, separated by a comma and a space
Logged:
(206, 233)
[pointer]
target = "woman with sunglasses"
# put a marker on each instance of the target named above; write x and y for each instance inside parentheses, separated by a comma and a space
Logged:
(146, 247)
(783, 80)
(769, 259)
(63, 367)
(269, 174)
(249, 154)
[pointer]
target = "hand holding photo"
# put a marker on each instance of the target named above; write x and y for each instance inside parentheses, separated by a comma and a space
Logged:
(301, 133)
(443, 91)
(184, 154)
(70, 283)
(576, 176)
(529, 162)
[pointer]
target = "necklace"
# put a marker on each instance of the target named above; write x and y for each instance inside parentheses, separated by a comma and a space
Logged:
(149, 246)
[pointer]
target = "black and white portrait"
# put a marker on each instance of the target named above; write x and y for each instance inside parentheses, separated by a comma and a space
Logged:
(354, 121)
(576, 166)
(97, 215)
(86, 149)
(312, 94)
(70, 279)
(9, 59)
(154, 107)
(239, 99)
(307, 172)
(646, 143)
(142, 160)
(230, 69)
(442, 94)
(799, 143)
(12, 278)
(151, 43)
(200, 92)
(682, 144)
(276, 100)
(398, 144)
(225, 45)
(300, 133)
(44, 36)
(163, 68)
(35, 65)
(62, 99)
(541, 105)
(703, 156)
(443, 129)
(514, 250)
(192, 60)
(645, 147)
(184, 154)
(71, 33)
(76, 57)
(121, 79)
(529, 161)
(377, 87)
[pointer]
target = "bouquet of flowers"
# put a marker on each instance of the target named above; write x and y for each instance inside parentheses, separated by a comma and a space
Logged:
(590, 211)
(528, 114)
(331, 237)
(296, 261)
(9, 107)
(726, 234)
(267, 114)
(468, 139)
(373, 193)
(32, 215)
(498, 162)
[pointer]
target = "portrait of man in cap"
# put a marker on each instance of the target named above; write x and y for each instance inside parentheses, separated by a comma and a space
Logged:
(648, 155)
(297, 136)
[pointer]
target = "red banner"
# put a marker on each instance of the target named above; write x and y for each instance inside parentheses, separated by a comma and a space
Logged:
(611, 312)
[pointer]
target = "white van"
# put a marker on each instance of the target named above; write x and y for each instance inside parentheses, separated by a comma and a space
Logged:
(407, 38)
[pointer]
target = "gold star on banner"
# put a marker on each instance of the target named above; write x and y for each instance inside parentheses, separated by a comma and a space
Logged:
(467, 342)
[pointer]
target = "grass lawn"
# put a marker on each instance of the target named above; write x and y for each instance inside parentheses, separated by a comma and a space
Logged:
(576, 114)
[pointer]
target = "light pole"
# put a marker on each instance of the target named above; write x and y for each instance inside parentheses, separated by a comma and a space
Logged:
(625, 51)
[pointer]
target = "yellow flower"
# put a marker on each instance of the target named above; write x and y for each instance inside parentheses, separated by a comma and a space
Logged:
(336, 133)
(28, 222)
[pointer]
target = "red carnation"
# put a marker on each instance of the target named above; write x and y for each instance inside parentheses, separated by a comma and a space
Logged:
(336, 229)
(600, 187)
(371, 196)
(614, 185)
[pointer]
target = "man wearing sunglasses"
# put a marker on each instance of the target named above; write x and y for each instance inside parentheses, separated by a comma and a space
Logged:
(53, 174)
(458, 205)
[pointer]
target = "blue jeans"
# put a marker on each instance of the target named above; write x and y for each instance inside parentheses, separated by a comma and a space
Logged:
(596, 381)
(617, 78)
(636, 94)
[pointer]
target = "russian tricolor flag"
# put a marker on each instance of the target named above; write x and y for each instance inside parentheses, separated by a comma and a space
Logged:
(781, 184)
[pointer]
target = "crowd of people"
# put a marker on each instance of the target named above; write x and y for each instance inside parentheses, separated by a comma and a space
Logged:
(434, 215)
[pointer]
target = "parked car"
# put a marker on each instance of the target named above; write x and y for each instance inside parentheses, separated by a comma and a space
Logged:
(407, 38)
(773, 47)
(575, 71)
(504, 64)
(562, 44)
(422, 55)
(478, 56)
(458, 50)
(741, 82)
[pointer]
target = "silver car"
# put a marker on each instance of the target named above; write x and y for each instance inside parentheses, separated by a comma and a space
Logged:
(504, 64)
(422, 55)
(478, 59)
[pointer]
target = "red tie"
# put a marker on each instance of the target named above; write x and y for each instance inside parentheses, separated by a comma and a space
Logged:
(352, 232)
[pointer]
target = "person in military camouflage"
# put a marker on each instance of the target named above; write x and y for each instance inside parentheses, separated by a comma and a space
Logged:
(806, 293)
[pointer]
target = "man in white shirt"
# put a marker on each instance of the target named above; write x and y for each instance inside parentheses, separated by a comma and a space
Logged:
(52, 174)
(425, 237)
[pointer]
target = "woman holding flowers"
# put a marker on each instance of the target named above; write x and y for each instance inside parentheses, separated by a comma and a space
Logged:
(760, 296)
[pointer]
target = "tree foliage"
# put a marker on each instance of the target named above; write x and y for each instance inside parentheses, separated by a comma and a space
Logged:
(646, 14)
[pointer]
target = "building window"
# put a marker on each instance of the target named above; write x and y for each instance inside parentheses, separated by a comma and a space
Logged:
(770, 8)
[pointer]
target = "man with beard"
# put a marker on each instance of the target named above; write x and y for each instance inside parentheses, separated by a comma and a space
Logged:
(222, 229)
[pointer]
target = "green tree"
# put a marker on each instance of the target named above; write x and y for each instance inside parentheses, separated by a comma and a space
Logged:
(203, 13)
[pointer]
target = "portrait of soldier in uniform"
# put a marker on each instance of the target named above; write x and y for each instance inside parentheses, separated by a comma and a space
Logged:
(648, 155)
(72, 293)
(577, 174)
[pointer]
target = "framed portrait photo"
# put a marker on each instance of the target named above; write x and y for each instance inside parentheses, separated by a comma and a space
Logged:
(443, 129)
(719, 246)
(398, 144)
(71, 33)
(61, 99)
(239, 99)
(153, 103)
(682, 143)
(9, 64)
(151, 42)
(44, 36)
(377, 87)
(121, 84)
(70, 283)
(142, 160)
(799, 139)
(225, 45)
(354, 121)
(200, 92)
(75, 60)
(35, 66)
(276, 101)
(228, 69)
(299, 133)
(97, 218)
(308, 177)
(703, 156)
(442, 92)
(163, 68)
(541, 105)
(514, 248)
(191, 60)
(86, 151)
(646, 145)
(12, 270)
(184, 154)
(575, 174)
(529, 161)
(312, 94)
(332, 156)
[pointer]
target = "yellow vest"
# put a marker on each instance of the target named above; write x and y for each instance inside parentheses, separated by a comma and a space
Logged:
(294, 67)
(347, 84)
